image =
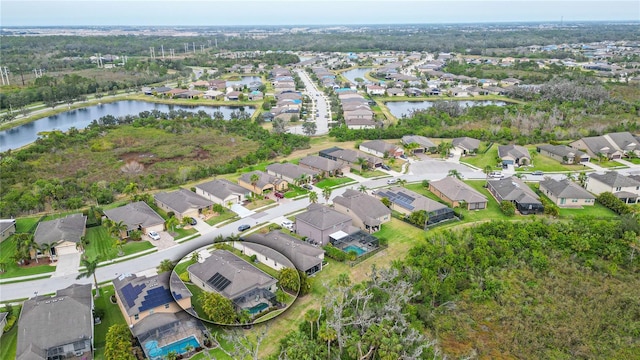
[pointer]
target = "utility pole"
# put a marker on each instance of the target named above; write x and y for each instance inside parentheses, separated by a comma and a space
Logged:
(152, 51)
(194, 47)
(186, 48)
(202, 48)
(5, 76)
(171, 53)
(21, 76)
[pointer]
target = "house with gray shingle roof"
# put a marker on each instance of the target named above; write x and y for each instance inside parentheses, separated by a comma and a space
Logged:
(63, 235)
(325, 166)
(566, 193)
(232, 277)
(381, 148)
(514, 155)
(182, 203)
(564, 154)
(223, 192)
(319, 222)
(277, 250)
(292, 173)
(367, 212)
(406, 202)
(264, 183)
(456, 192)
(623, 187)
(423, 143)
(7, 228)
(517, 192)
(136, 216)
(52, 327)
(466, 145)
(612, 145)
(351, 157)
(141, 296)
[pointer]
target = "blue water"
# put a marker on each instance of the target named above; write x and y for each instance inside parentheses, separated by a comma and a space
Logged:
(179, 347)
(399, 108)
(256, 309)
(358, 250)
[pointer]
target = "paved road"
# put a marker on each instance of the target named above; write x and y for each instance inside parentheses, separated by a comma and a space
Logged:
(321, 112)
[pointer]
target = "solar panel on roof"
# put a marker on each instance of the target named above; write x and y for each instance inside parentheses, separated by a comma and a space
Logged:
(131, 293)
(156, 297)
(218, 282)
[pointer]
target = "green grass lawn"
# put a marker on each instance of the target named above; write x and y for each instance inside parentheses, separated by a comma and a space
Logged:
(596, 211)
(295, 191)
(102, 245)
(112, 316)
(333, 182)
(372, 173)
(182, 232)
(482, 160)
(228, 214)
(259, 203)
(540, 162)
(8, 250)
(9, 343)
(608, 164)
(24, 225)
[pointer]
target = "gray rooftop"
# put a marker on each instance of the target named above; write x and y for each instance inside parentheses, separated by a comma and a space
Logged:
(514, 189)
(143, 293)
(364, 206)
(457, 190)
(515, 151)
(70, 228)
(50, 321)
(565, 189)
(240, 275)
(6, 224)
(614, 179)
(134, 215)
(410, 200)
(322, 217)
(292, 171)
(222, 188)
(379, 146)
(466, 143)
(318, 162)
(182, 200)
(263, 178)
(276, 243)
(562, 150)
(417, 139)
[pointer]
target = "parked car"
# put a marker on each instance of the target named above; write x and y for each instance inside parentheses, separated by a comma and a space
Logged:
(386, 167)
(308, 187)
(537, 172)
(279, 195)
(154, 235)
(495, 175)
(287, 224)
(244, 227)
(193, 221)
(392, 181)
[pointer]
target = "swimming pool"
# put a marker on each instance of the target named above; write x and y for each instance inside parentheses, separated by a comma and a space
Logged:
(179, 347)
(258, 308)
(358, 250)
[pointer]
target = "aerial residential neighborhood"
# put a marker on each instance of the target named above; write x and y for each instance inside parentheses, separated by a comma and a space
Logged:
(294, 192)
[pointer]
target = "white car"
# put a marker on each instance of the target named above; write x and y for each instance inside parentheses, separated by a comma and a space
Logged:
(392, 181)
(287, 224)
(154, 235)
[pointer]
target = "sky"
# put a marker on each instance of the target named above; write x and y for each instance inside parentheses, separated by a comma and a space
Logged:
(307, 12)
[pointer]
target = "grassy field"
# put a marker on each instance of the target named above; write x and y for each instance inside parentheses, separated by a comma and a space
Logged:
(24, 225)
(102, 245)
(540, 162)
(228, 214)
(333, 182)
(371, 173)
(7, 251)
(112, 316)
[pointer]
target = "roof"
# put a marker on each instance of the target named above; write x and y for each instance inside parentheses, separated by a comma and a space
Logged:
(565, 189)
(302, 255)
(366, 207)
(230, 275)
(263, 178)
(457, 190)
(221, 188)
(322, 217)
(292, 171)
(7, 224)
(410, 200)
(614, 179)
(515, 151)
(182, 200)
(70, 228)
(514, 189)
(134, 215)
(143, 293)
(51, 321)
(417, 139)
(562, 150)
(466, 143)
(322, 163)
(379, 146)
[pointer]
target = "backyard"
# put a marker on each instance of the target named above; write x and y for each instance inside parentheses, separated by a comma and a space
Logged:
(112, 316)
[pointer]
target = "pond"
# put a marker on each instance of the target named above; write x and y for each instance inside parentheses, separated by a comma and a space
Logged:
(244, 80)
(400, 108)
(351, 75)
(80, 118)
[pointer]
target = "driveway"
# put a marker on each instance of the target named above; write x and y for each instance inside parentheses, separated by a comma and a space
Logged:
(68, 264)
(165, 242)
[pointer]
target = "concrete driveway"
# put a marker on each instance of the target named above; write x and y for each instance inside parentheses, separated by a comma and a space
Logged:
(165, 242)
(68, 264)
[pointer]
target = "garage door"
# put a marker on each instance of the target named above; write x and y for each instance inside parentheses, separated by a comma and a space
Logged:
(64, 250)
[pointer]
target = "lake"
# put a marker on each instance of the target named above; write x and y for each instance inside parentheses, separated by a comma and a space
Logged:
(244, 80)
(400, 108)
(80, 118)
(351, 75)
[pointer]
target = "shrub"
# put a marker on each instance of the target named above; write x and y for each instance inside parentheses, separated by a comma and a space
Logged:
(11, 320)
(610, 201)
(334, 253)
(507, 208)
(185, 277)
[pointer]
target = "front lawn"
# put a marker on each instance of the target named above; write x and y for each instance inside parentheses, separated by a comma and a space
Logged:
(608, 164)
(103, 245)
(112, 316)
(179, 233)
(295, 191)
(333, 182)
(226, 215)
(259, 203)
(12, 269)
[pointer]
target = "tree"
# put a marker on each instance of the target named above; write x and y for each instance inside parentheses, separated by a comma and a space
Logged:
(165, 265)
(363, 163)
(508, 208)
(171, 223)
(279, 125)
(419, 218)
(309, 128)
(582, 179)
(131, 189)
(362, 188)
(288, 279)
(487, 170)
(402, 182)
(386, 202)
(313, 197)
(254, 180)
(326, 193)
(455, 173)
(195, 257)
(118, 343)
(327, 334)
(90, 267)
(218, 308)
(311, 316)
(444, 147)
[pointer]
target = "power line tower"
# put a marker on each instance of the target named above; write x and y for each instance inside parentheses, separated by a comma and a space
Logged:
(194, 47)
(152, 51)
(4, 73)
(171, 53)
(162, 49)
(186, 48)
(202, 48)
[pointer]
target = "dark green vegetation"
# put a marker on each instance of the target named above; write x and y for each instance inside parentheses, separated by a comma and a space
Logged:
(151, 150)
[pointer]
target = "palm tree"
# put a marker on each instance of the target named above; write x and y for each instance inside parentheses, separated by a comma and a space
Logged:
(487, 171)
(171, 223)
(444, 147)
(90, 267)
(313, 197)
(582, 179)
(402, 182)
(117, 228)
(311, 316)
(195, 257)
(363, 163)
(326, 193)
(131, 189)
(455, 173)
(254, 180)
(571, 176)
(362, 188)
(46, 247)
(327, 334)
